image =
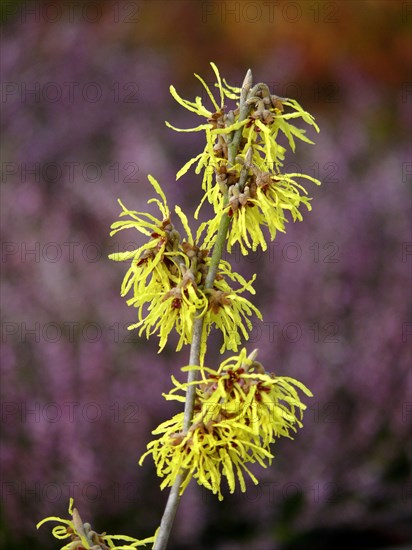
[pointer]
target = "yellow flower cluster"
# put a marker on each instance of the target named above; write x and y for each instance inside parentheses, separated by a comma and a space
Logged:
(166, 278)
(82, 535)
(240, 409)
(250, 188)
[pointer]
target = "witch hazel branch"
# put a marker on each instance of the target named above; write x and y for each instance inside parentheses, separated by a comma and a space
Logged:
(233, 410)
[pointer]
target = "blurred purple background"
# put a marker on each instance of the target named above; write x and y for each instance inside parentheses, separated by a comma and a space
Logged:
(84, 99)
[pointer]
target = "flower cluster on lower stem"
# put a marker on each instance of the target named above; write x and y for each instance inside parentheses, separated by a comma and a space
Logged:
(240, 410)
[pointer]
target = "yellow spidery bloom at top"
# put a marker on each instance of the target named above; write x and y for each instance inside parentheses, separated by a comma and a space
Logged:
(240, 410)
(252, 190)
(217, 128)
(82, 535)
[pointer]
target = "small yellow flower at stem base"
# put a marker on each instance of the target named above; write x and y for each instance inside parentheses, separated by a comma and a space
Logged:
(83, 536)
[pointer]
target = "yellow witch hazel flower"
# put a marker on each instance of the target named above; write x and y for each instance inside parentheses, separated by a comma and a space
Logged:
(240, 410)
(166, 279)
(174, 308)
(250, 188)
(219, 125)
(162, 275)
(83, 537)
(155, 260)
(262, 203)
(228, 310)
